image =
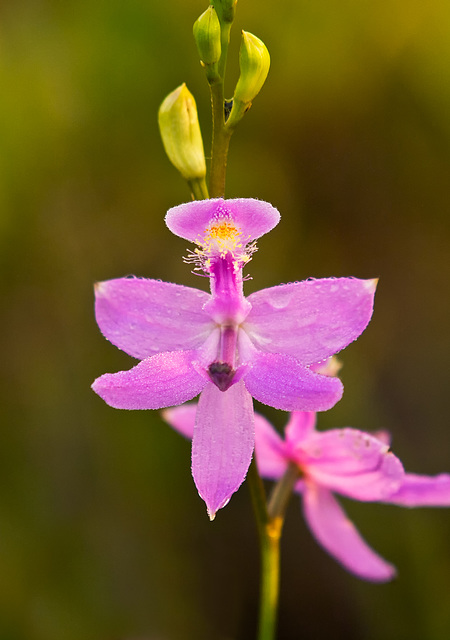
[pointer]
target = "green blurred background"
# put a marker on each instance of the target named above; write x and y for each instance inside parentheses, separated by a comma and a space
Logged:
(102, 533)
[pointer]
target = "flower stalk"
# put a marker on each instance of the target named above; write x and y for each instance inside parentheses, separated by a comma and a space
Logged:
(269, 520)
(220, 134)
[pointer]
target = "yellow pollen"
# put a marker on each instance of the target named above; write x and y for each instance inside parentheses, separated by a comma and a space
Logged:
(225, 231)
(221, 237)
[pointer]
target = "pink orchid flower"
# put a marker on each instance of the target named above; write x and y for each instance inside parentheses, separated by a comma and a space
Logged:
(224, 346)
(346, 461)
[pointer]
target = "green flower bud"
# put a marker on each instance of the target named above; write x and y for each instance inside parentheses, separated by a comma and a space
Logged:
(180, 133)
(254, 63)
(226, 9)
(207, 36)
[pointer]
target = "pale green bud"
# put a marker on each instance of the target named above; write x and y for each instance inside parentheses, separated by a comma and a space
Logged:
(254, 63)
(180, 133)
(226, 9)
(207, 36)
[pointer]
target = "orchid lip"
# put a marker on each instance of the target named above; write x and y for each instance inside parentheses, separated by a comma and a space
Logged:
(221, 374)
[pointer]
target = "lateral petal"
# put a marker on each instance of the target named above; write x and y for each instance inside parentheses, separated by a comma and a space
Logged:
(223, 443)
(301, 425)
(270, 450)
(143, 317)
(340, 538)
(163, 380)
(191, 220)
(423, 491)
(282, 382)
(351, 462)
(310, 320)
(182, 418)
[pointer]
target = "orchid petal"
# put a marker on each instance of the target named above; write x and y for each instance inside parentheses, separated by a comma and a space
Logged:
(423, 491)
(340, 538)
(143, 317)
(282, 382)
(270, 450)
(223, 443)
(163, 380)
(182, 418)
(192, 219)
(310, 320)
(351, 462)
(301, 425)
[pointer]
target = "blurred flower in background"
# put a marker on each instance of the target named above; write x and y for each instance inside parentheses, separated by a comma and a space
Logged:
(99, 534)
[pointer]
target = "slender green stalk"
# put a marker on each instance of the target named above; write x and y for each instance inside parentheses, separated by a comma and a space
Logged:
(282, 492)
(269, 521)
(199, 189)
(220, 135)
(220, 143)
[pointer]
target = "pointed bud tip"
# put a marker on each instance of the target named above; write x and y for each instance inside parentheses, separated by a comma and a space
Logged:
(254, 63)
(372, 284)
(211, 515)
(207, 36)
(180, 133)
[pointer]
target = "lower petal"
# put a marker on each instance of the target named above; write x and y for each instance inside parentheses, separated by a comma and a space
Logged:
(282, 382)
(223, 443)
(423, 491)
(340, 538)
(163, 380)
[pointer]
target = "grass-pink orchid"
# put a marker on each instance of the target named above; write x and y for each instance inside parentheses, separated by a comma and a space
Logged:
(346, 461)
(224, 346)
(352, 463)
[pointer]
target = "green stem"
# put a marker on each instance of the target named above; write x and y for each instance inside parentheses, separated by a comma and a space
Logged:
(220, 143)
(282, 492)
(269, 542)
(220, 135)
(269, 521)
(199, 189)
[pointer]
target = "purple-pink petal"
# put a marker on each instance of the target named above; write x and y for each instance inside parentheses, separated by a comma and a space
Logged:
(423, 491)
(182, 418)
(223, 443)
(192, 219)
(301, 425)
(340, 538)
(270, 449)
(310, 320)
(143, 317)
(164, 380)
(351, 462)
(282, 382)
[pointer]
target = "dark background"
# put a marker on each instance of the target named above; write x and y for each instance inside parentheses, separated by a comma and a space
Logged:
(102, 533)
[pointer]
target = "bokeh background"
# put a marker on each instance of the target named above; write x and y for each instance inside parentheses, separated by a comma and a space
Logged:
(102, 533)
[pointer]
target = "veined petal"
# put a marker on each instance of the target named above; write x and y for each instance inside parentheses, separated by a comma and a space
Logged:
(223, 443)
(351, 462)
(192, 219)
(340, 538)
(163, 380)
(143, 317)
(182, 418)
(270, 450)
(301, 425)
(282, 382)
(310, 320)
(423, 491)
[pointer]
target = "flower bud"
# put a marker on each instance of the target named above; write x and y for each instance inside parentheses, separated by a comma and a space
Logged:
(180, 133)
(254, 63)
(207, 36)
(226, 9)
